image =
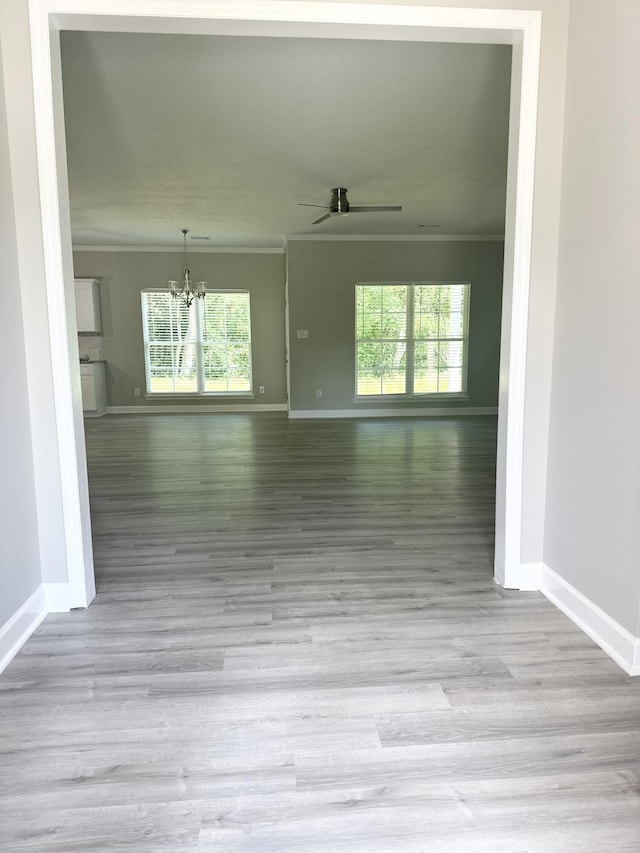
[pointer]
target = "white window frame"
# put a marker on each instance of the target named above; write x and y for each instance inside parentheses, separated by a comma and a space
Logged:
(410, 342)
(199, 348)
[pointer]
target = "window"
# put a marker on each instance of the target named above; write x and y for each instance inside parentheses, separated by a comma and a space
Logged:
(411, 338)
(204, 349)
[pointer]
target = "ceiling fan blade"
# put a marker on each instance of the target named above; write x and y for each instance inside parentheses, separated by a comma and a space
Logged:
(322, 219)
(354, 209)
(304, 204)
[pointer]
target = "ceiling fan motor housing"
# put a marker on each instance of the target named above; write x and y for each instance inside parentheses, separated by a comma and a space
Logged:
(339, 202)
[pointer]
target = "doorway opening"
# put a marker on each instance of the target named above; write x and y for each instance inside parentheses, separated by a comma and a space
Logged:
(520, 29)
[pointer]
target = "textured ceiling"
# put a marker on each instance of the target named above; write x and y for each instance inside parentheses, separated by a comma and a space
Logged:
(224, 135)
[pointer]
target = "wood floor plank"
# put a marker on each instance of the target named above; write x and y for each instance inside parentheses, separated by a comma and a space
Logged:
(297, 645)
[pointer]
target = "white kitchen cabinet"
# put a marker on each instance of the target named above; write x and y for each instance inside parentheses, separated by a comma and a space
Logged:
(94, 389)
(88, 305)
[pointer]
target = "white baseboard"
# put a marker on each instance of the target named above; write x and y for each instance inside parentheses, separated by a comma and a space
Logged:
(57, 597)
(17, 630)
(208, 409)
(612, 638)
(530, 574)
(425, 411)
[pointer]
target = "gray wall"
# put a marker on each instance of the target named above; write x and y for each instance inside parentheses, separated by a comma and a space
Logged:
(27, 248)
(321, 299)
(20, 561)
(322, 276)
(123, 275)
(593, 501)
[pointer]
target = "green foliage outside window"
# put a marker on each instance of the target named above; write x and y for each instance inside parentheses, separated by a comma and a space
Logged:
(411, 338)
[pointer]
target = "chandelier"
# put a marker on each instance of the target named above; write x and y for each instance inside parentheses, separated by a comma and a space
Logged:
(186, 289)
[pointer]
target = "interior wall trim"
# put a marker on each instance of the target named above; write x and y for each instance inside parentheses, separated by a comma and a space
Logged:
(530, 574)
(294, 238)
(397, 238)
(518, 27)
(18, 628)
(208, 408)
(422, 412)
(57, 597)
(193, 250)
(612, 638)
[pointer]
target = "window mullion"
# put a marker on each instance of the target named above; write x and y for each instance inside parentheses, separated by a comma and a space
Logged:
(147, 343)
(465, 334)
(410, 345)
(199, 306)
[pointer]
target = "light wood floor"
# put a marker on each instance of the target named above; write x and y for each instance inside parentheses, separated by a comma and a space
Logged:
(297, 645)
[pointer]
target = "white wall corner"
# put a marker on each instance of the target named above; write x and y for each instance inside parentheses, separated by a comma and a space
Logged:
(529, 576)
(57, 597)
(612, 638)
(18, 628)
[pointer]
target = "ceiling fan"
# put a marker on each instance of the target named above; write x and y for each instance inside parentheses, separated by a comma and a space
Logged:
(339, 206)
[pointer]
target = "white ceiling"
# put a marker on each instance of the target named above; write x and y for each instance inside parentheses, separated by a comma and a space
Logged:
(224, 135)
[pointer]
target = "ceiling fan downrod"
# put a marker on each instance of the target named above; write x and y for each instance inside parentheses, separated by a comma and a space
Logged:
(339, 202)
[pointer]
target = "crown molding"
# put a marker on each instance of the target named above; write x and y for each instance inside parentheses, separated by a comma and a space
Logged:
(303, 238)
(192, 250)
(397, 238)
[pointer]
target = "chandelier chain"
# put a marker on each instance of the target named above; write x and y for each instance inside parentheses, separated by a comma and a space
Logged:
(186, 290)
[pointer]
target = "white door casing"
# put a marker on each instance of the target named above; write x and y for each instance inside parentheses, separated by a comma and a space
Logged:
(519, 28)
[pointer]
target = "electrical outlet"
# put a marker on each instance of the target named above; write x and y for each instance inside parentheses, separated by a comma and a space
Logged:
(318, 392)
(261, 389)
(136, 392)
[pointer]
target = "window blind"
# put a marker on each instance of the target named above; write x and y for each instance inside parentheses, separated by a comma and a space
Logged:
(411, 337)
(203, 349)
